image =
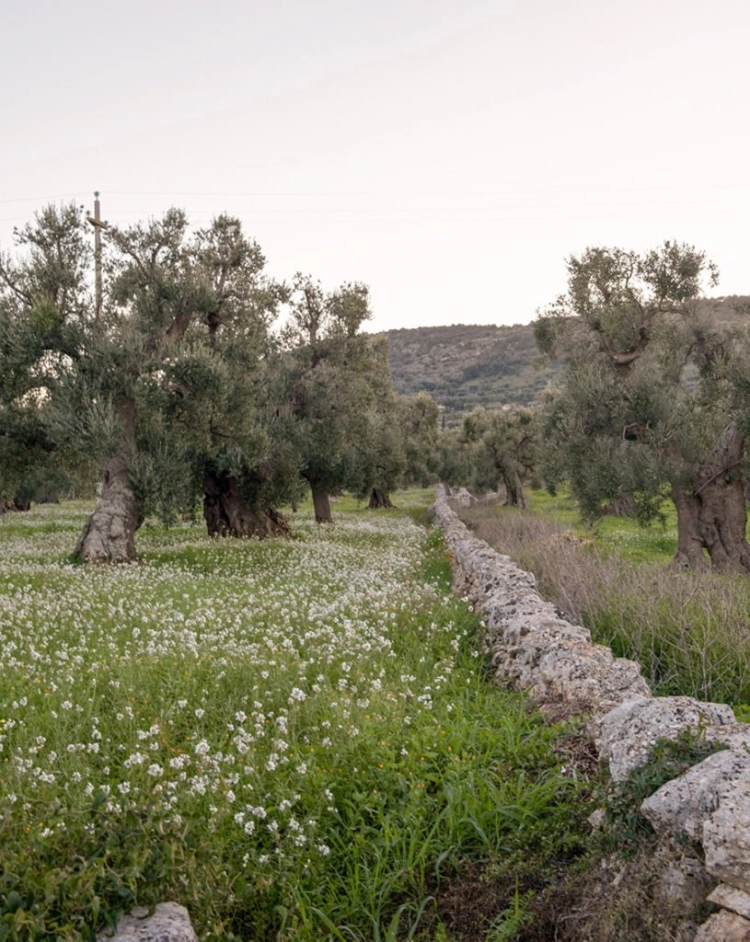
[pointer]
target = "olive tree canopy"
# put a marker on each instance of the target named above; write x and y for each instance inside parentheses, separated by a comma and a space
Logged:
(652, 404)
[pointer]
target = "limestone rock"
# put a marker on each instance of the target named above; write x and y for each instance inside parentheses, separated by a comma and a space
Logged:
(729, 897)
(724, 927)
(462, 498)
(538, 628)
(734, 735)
(589, 675)
(523, 661)
(169, 923)
(628, 733)
(685, 804)
(726, 837)
(622, 682)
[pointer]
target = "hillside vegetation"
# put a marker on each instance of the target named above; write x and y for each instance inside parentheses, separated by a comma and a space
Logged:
(463, 366)
(468, 365)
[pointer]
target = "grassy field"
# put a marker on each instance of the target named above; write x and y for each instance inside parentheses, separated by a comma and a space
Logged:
(621, 536)
(689, 631)
(295, 739)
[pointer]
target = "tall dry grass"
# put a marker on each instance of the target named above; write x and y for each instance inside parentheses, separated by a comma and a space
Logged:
(689, 631)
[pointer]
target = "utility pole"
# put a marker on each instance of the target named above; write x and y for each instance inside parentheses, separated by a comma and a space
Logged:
(96, 222)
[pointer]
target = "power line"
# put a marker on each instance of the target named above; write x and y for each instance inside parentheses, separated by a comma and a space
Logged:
(480, 194)
(34, 199)
(502, 212)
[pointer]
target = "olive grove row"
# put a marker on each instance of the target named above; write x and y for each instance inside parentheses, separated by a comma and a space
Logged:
(654, 405)
(200, 378)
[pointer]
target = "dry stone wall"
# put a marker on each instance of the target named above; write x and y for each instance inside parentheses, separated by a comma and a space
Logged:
(556, 662)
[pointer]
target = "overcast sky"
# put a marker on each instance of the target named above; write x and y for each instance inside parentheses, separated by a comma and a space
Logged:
(449, 153)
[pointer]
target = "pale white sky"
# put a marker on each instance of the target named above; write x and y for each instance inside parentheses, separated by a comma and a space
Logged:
(449, 153)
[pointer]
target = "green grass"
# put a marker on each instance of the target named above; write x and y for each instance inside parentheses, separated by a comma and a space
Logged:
(621, 535)
(295, 739)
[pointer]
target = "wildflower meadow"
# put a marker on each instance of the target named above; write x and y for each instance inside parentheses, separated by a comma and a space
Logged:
(295, 739)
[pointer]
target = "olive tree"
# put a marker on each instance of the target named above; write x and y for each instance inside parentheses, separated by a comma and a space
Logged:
(45, 320)
(225, 388)
(166, 390)
(335, 376)
(652, 404)
(420, 430)
(504, 447)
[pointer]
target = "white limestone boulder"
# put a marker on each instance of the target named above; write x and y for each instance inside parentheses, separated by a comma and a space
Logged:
(170, 922)
(628, 733)
(726, 837)
(683, 805)
(729, 897)
(462, 498)
(724, 927)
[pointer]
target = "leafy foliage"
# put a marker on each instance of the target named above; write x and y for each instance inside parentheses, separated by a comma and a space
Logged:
(181, 389)
(650, 400)
(503, 449)
(344, 413)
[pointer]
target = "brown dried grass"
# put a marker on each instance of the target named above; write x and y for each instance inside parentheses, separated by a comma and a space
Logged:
(689, 631)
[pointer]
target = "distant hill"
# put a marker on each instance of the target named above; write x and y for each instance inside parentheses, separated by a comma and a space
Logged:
(463, 366)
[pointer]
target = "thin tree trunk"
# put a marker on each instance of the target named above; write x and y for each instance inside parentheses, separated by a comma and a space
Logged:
(379, 500)
(109, 533)
(227, 512)
(713, 515)
(514, 496)
(321, 504)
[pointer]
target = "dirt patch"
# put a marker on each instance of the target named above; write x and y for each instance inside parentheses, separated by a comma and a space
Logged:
(468, 902)
(611, 900)
(470, 899)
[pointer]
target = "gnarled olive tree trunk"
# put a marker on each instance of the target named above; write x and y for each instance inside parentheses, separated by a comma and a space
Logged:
(514, 495)
(689, 553)
(109, 533)
(228, 512)
(379, 500)
(622, 507)
(16, 505)
(712, 516)
(321, 504)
